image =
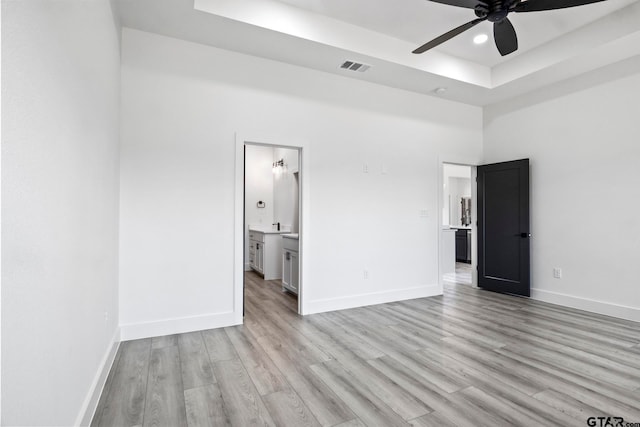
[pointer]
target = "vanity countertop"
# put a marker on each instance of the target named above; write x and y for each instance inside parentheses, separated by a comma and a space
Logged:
(266, 230)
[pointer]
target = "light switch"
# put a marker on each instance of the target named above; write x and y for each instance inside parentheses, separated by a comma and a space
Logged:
(557, 272)
(423, 213)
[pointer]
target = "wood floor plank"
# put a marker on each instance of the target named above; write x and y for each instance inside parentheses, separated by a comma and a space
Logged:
(194, 358)
(325, 405)
(514, 415)
(593, 393)
(426, 391)
(125, 403)
(508, 394)
(601, 324)
(165, 397)
(243, 404)
(434, 419)
(483, 414)
(429, 370)
(567, 404)
(610, 375)
(264, 373)
(395, 396)
(369, 408)
(466, 358)
(379, 336)
(518, 332)
(351, 423)
(205, 407)
(281, 330)
(287, 409)
(218, 345)
(339, 339)
(490, 364)
(164, 341)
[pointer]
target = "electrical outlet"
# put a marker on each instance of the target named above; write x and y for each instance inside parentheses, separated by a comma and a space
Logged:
(557, 272)
(366, 274)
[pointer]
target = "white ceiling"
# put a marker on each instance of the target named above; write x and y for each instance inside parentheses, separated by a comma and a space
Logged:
(418, 21)
(321, 34)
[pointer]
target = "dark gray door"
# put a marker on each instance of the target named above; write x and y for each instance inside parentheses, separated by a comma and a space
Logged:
(503, 227)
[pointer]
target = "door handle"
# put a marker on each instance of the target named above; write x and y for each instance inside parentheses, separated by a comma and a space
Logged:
(525, 235)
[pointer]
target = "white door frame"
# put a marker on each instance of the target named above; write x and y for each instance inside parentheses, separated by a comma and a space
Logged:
(304, 229)
(474, 214)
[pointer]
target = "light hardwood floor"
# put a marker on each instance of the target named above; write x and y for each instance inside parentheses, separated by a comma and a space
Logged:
(462, 275)
(467, 358)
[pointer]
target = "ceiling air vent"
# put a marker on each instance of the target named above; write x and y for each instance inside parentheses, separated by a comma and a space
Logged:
(355, 66)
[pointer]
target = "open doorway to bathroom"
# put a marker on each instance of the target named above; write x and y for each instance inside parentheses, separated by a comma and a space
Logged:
(457, 244)
(271, 229)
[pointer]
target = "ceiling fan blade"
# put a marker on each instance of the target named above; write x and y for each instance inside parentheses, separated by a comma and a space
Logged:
(469, 4)
(505, 37)
(448, 35)
(540, 5)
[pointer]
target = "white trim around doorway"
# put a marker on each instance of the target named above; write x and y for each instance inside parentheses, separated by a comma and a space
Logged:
(473, 163)
(304, 227)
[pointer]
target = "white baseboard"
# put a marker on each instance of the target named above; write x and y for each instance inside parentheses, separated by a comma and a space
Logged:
(594, 306)
(353, 301)
(247, 267)
(91, 401)
(179, 325)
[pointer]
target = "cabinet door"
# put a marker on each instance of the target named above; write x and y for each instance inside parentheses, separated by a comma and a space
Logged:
(252, 254)
(286, 268)
(260, 256)
(295, 271)
(461, 246)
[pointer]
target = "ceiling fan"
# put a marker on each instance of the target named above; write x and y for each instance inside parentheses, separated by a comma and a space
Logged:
(496, 11)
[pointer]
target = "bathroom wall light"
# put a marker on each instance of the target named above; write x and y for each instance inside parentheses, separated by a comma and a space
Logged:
(279, 166)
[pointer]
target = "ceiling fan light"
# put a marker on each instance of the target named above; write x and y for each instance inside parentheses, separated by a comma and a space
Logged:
(480, 38)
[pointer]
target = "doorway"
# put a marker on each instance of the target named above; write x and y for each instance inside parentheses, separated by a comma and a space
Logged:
(269, 228)
(271, 224)
(457, 226)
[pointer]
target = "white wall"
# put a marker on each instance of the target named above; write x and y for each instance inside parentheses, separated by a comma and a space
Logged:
(285, 190)
(182, 106)
(584, 155)
(60, 90)
(258, 187)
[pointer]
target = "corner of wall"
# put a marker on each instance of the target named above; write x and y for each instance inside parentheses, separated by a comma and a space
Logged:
(139, 330)
(88, 409)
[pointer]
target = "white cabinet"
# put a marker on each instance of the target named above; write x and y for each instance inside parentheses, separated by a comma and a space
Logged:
(290, 265)
(264, 253)
(253, 262)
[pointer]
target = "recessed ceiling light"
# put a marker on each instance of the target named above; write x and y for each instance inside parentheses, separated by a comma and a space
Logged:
(480, 38)
(440, 90)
